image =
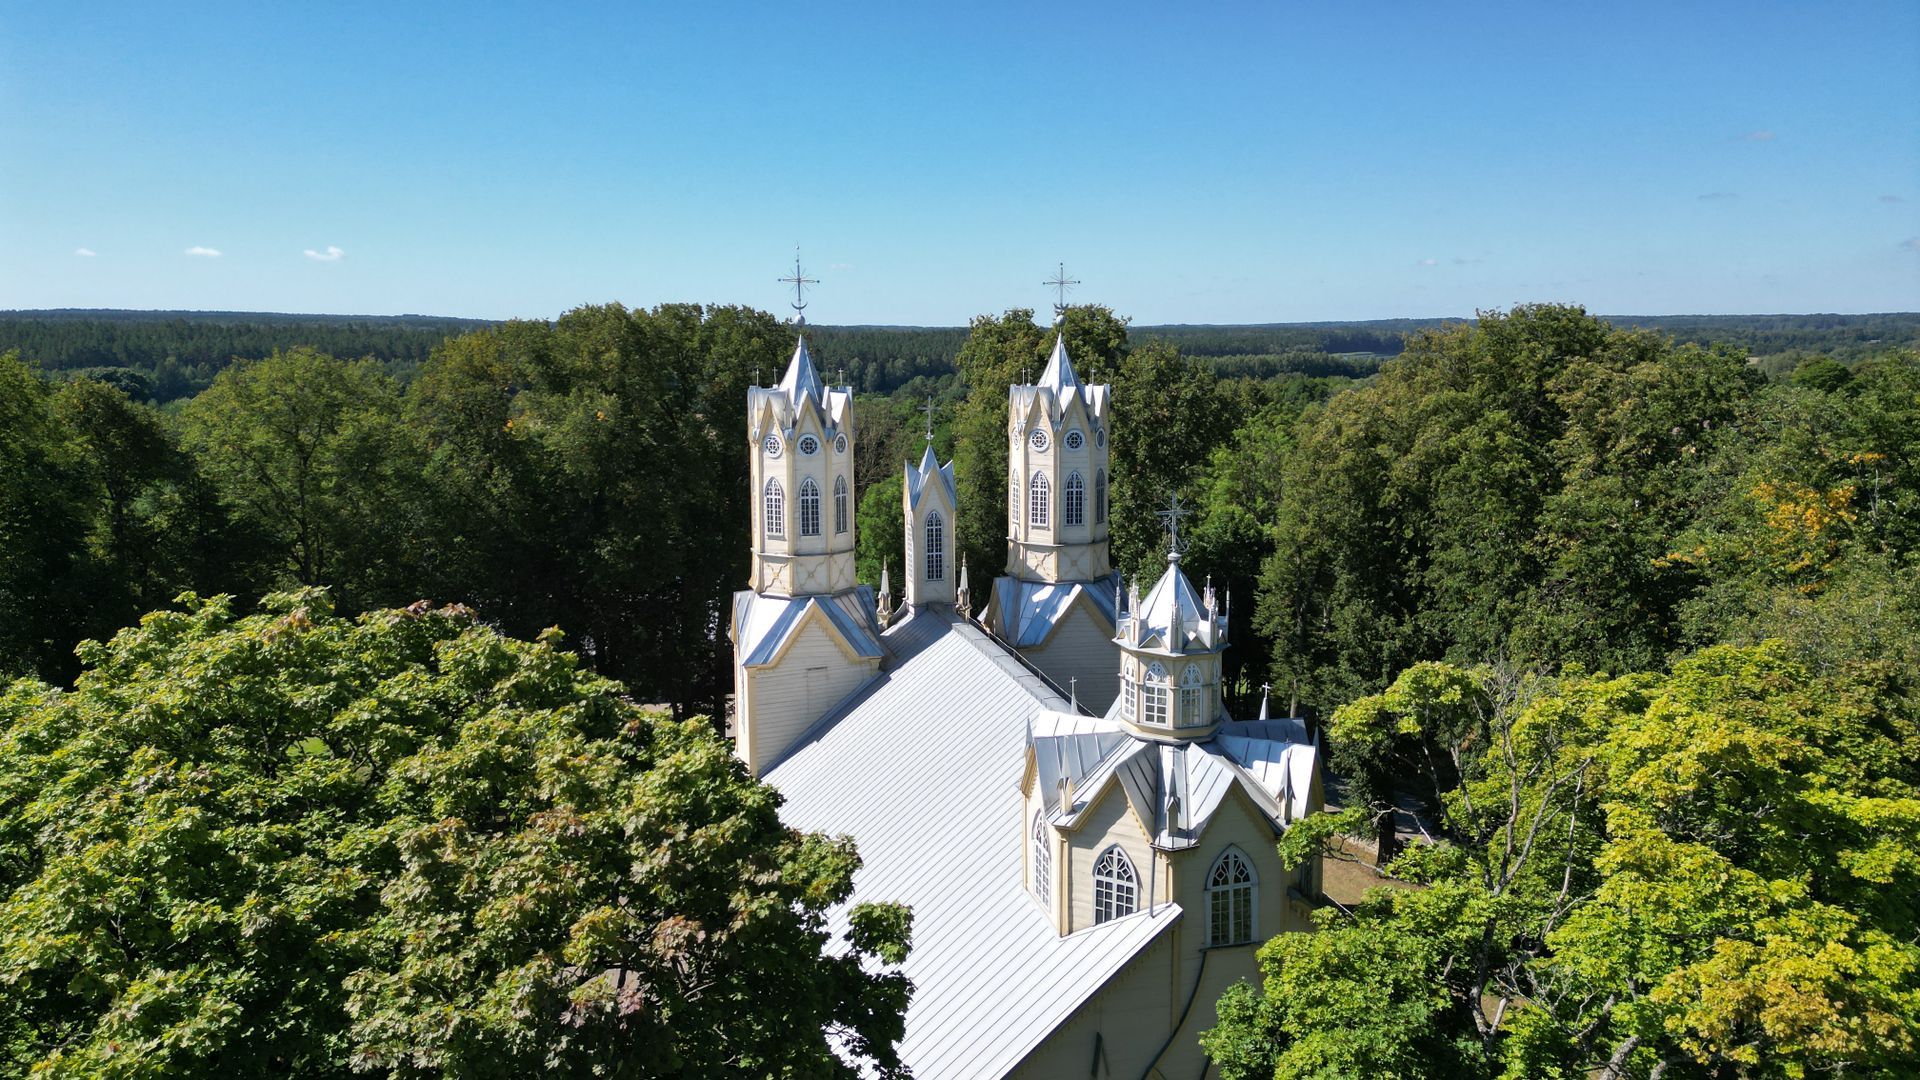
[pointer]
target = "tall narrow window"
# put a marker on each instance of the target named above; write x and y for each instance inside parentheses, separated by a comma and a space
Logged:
(1073, 501)
(809, 507)
(1127, 708)
(1116, 888)
(936, 547)
(1100, 497)
(1042, 858)
(1190, 697)
(1230, 900)
(839, 504)
(776, 509)
(1153, 696)
(1039, 501)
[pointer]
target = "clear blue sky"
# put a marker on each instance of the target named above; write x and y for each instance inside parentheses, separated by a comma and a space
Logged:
(1190, 163)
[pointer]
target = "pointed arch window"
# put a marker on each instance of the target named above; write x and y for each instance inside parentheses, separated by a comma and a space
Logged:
(1153, 696)
(1127, 701)
(1042, 858)
(1230, 891)
(1073, 501)
(1100, 497)
(1039, 501)
(1116, 888)
(809, 507)
(936, 547)
(1190, 697)
(839, 504)
(774, 514)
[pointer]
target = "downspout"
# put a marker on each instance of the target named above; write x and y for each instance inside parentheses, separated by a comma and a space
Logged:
(1182, 1022)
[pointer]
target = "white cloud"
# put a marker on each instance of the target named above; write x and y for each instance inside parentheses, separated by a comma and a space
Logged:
(1913, 244)
(332, 254)
(204, 252)
(85, 253)
(1762, 135)
(1429, 262)
(841, 266)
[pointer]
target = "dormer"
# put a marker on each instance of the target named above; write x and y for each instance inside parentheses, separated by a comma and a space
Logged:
(1170, 658)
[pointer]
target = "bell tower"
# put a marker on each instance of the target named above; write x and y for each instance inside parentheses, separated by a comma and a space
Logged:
(800, 445)
(928, 503)
(1057, 476)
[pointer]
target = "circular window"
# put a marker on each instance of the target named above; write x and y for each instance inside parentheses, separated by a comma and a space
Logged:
(773, 445)
(840, 445)
(809, 445)
(1039, 440)
(1100, 436)
(1075, 440)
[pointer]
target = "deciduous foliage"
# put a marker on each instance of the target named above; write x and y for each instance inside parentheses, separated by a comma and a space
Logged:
(1706, 873)
(296, 844)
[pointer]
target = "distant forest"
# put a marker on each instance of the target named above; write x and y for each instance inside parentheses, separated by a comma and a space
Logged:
(162, 356)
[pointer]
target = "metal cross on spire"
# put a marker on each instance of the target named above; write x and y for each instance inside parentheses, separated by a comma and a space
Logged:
(1060, 284)
(799, 281)
(929, 411)
(1171, 516)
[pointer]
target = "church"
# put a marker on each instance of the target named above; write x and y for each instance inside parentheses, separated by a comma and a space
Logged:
(1085, 837)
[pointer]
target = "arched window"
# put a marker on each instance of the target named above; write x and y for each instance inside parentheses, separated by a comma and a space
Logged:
(1153, 696)
(809, 507)
(1100, 497)
(1116, 888)
(1230, 900)
(936, 547)
(1042, 858)
(1073, 501)
(1190, 697)
(1039, 501)
(776, 509)
(1127, 708)
(839, 504)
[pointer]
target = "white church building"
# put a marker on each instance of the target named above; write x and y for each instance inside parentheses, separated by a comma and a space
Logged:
(1085, 837)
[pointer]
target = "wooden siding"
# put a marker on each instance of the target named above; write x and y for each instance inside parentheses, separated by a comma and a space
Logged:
(1082, 646)
(813, 675)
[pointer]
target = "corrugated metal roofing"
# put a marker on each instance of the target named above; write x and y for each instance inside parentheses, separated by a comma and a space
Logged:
(922, 769)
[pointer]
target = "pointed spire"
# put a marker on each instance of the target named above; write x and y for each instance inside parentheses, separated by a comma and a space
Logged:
(1265, 689)
(883, 609)
(963, 598)
(1059, 376)
(801, 379)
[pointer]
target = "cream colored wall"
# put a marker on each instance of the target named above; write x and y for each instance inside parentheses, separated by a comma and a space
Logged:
(1110, 821)
(783, 699)
(1082, 646)
(1133, 1014)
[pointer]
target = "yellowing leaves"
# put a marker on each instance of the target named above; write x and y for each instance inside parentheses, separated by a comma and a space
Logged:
(1806, 526)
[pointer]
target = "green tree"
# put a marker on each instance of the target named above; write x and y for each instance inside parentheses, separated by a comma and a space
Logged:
(308, 452)
(45, 517)
(1706, 873)
(296, 844)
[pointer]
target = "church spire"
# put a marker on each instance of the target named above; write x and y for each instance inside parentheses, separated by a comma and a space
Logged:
(1059, 376)
(801, 379)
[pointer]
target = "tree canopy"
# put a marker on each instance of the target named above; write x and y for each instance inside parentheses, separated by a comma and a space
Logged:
(291, 843)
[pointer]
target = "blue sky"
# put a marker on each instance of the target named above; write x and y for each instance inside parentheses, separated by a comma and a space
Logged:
(1189, 163)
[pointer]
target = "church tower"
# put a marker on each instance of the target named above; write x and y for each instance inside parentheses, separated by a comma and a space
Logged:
(800, 439)
(928, 504)
(1056, 602)
(804, 635)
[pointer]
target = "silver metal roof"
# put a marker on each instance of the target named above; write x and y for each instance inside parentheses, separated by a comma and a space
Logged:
(1034, 608)
(922, 769)
(762, 624)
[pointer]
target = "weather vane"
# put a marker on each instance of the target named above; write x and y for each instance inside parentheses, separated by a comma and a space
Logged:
(799, 281)
(929, 411)
(1060, 284)
(1172, 515)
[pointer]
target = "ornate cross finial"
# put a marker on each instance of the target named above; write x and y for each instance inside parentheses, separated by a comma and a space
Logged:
(1060, 284)
(799, 281)
(929, 411)
(1171, 516)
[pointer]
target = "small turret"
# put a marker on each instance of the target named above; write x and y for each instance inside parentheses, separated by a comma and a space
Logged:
(883, 607)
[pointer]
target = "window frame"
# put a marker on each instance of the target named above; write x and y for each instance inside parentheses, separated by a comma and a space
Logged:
(1233, 904)
(773, 509)
(1073, 500)
(1039, 501)
(839, 505)
(1116, 885)
(809, 507)
(1042, 859)
(934, 556)
(1156, 696)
